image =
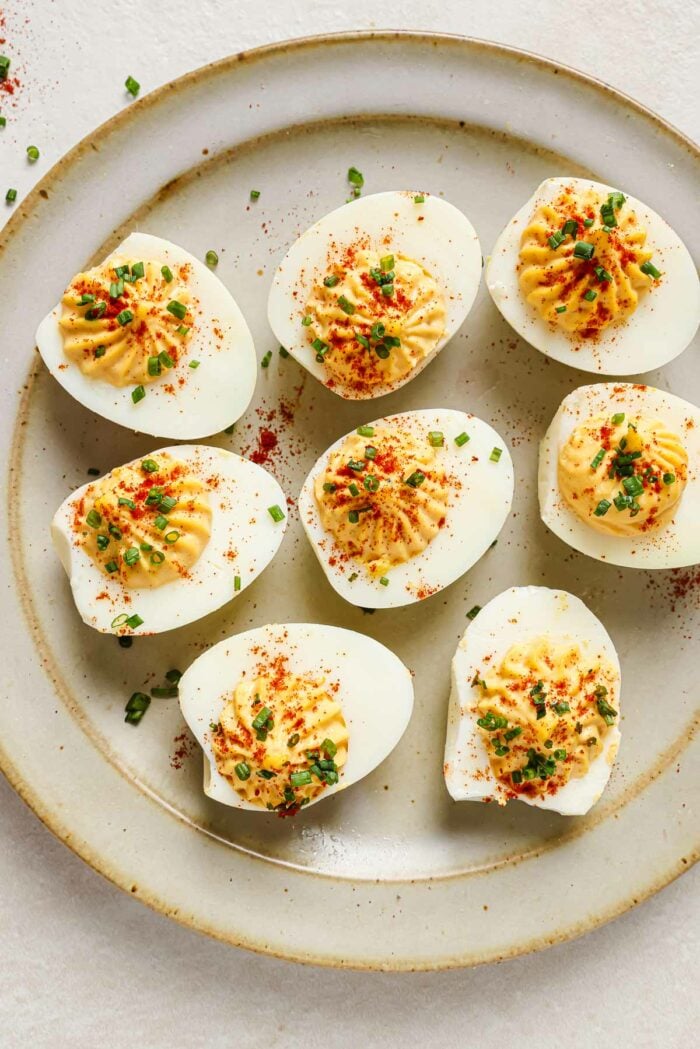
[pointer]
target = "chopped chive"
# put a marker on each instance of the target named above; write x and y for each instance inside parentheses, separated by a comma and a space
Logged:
(561, 707)
(328, 486)
(300, 779)
(254, 194)
(363, 341)
(353, 489)
(166, 692)
(138, 394)
(265, 362)
(132, 86)
(132, 555)
(384, 581)
(416, 479)
(382, 351)
(560, 309)
(112, 567)
(496, 455)
(387, 290)
(138, 270)
(355, 177)
(603, 275)
(365, 431)
(11, 196)
(602, 508)
(236, 583)
(590, 295)
(136, 707)
(387, 263)
(669, 478)
(32, 153)
(436, 438)
(157, 557)
(306, 321)
(370, 452)
(193, 365)
(125, 317)
(114, 532)
(172, 536)
(345, 305)
(173, 676)
(461, 439)
(275, 513)
(516, 776)
(570, 228)
(165, 359)
(633, 486)
(161, 522)
(182, 329)
(331, 280)
(588, 223)
(473, 612)
(352, 577)
(284, 353)
(513, 733)
(584, 250)
(167, 274)
(94, 519)
(556, 239)
(178, 309)
(100, 351)
(242, 770)
(378, 331)
(419, 199)
(123, 501)
(230, 429)
(650, 269)
(149, 465)
(211, 258)
(85, 299)
(93, 471)
(96, 311)
(353, 517)
(618, 417)
(597, 459)
(3, 121)
(607, 214)
(4, 66)
(134, 621)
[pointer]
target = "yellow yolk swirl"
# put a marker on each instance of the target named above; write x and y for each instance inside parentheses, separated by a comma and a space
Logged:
(544, 714)
(584, 295)
(146, 527)
(382, 497)
(281, 739)
(366, 289)
(120, 330)
(623, 476)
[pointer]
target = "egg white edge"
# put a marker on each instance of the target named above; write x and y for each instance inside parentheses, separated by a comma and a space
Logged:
(366, 592)
(537, 610)
(224, 381)
(256, 546)
(310, 251)
(380, 694)
(676, 544)
(646, 340)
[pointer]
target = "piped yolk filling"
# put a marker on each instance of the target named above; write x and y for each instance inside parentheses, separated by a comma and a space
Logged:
(374, 317)
(146, 523)
(544, 714)
(583, 263)
(623, 475)
(383, 496)
(281, 740)
(127, 322)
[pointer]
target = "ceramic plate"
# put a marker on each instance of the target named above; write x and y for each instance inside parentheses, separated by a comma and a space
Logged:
(390, 874)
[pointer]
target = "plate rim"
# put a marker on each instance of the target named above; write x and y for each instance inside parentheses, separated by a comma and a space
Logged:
(53, 820)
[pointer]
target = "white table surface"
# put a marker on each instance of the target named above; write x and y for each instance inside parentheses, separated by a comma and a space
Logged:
(83, 965)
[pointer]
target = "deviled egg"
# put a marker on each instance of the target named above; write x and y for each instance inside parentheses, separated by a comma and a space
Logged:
(166, 539)
(287, 715)
(592, 277)
(151, 339)
(535, 704)
(618, 475)
(399, 508)
(368, 295)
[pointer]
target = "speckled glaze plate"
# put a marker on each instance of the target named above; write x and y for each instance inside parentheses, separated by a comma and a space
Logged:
(391, 874)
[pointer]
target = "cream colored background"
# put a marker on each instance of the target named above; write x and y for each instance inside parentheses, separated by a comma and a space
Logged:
(82, 964)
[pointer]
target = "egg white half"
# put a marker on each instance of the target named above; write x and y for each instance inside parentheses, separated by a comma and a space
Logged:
(434, 233)
(476, 513)
(211, 397)
(244, 539)
(375, 692)
(511, 617)
(661, 327)
(671, 546)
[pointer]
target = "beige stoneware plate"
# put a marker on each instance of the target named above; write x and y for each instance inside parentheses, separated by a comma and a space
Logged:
(390, 874)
